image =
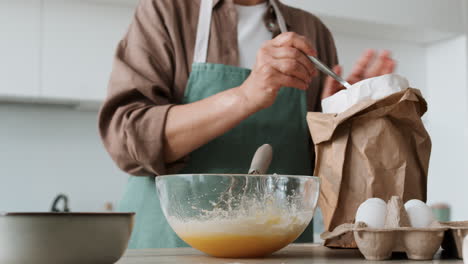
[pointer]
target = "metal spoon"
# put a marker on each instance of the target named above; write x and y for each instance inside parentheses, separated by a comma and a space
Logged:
(324, 68)
(328, 71)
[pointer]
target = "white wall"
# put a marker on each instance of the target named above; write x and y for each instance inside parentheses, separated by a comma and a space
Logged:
(448, 123)
(19, 47)
(437, 14)
(51, 150)
(411, 57)
(78, 44)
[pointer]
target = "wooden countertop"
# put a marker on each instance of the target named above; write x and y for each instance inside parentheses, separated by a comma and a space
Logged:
(294, 254)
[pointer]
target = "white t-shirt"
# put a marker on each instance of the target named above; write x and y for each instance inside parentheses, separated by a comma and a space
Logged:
(251, 32)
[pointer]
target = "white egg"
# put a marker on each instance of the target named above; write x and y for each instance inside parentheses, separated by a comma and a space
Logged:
(372, 212)
(419, 213)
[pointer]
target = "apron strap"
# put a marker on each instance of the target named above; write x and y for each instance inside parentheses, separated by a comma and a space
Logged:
(203, 31)
(204, 26)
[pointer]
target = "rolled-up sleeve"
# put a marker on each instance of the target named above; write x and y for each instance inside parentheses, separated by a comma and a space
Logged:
(140, 94)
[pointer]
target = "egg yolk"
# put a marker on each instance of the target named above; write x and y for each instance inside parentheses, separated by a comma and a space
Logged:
(240, 246)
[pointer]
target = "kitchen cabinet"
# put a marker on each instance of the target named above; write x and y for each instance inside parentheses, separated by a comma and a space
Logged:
(298, 254)
(79, 40)
(20, 25)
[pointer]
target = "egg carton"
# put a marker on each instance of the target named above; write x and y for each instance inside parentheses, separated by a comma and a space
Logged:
(453, 239)
(396, 236)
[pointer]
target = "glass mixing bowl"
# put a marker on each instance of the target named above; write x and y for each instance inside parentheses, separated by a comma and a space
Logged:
(237, 216)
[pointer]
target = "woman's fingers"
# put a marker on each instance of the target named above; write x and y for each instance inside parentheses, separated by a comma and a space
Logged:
(277, 79)
(359, 70)
(291, 81)
(292, 68)
(281, 62)
(379, 66)
(291, 39)
(371, 65)
(389, 67)
(331, 86)
(295, 54)
(289, 53)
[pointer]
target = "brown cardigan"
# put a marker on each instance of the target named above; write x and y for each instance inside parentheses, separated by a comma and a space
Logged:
(152, 65)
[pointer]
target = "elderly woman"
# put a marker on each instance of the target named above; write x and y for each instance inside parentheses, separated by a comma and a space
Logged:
(198, 84)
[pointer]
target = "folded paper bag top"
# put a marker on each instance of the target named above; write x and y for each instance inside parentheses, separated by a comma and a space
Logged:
(373, 88)
(376, 148)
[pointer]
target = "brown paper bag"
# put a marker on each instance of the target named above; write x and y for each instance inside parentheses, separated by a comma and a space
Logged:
(374, 149)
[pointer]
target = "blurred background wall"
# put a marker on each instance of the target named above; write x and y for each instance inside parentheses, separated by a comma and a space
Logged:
(55, 59)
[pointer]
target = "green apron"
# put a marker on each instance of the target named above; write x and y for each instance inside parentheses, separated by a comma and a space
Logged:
(282, 125)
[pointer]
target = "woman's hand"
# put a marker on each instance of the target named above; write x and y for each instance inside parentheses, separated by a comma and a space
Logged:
(281, 62)
(369, 65)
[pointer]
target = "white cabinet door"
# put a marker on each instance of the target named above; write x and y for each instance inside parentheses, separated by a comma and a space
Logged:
(19, 47)
(79, 42)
